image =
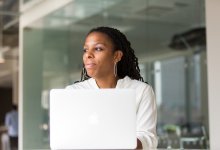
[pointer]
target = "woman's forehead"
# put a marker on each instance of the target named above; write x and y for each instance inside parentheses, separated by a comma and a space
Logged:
(98, 37)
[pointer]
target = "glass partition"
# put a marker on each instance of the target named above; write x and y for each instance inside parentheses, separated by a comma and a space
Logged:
(160, 32)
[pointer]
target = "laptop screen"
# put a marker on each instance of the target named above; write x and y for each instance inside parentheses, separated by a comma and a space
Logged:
(92, 119)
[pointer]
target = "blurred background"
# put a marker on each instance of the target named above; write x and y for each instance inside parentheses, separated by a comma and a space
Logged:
(168, 36)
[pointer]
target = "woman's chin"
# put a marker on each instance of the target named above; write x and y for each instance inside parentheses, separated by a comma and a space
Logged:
(90, 74)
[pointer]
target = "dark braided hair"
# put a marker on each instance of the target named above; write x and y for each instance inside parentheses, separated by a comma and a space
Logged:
(128, 65)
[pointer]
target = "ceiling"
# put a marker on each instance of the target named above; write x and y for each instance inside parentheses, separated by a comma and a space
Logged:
(153, 22)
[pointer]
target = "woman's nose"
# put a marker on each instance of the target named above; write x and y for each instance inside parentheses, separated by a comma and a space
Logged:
(89, 54)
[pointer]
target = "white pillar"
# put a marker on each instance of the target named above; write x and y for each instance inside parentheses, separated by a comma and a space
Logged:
(213, 53)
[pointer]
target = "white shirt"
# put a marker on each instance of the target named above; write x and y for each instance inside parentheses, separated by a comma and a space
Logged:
(146, 110)
(11, 121)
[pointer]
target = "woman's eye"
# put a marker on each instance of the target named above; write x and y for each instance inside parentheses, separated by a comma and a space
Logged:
(98, 48)
(84, 50)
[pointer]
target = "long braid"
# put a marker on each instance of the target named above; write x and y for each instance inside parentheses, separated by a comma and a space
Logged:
(128, 66)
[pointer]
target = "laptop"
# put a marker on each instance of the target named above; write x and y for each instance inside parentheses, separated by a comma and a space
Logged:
(92, 119)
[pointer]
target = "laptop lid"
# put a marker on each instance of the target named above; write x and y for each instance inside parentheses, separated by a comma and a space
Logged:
(92, 119)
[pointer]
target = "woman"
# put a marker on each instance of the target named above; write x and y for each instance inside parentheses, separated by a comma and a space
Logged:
(110, 62)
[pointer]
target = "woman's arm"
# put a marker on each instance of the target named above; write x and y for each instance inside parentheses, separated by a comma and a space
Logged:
(139, 144)
(147, 118)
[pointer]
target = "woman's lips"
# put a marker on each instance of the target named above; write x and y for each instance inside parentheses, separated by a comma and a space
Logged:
(90, 65)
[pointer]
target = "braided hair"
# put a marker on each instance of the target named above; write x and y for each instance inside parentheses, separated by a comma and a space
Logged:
(128, 65)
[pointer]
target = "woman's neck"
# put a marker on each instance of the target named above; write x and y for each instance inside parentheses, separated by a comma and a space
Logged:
(106, 82)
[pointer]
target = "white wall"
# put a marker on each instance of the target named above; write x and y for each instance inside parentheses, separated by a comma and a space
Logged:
(213, 57)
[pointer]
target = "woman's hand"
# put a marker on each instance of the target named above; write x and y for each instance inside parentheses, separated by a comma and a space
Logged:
(139, 144)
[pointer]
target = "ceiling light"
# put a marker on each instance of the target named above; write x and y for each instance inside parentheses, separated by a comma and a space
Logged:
(2, 59)
(2, 51)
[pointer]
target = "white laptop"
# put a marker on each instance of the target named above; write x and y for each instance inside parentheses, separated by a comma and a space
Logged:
(92, 119)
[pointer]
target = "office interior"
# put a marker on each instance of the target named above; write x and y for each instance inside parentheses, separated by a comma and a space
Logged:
(41, 48)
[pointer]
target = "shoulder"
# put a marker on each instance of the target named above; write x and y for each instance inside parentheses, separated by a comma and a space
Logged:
(8, 114)
(142, 88)
(81, 84)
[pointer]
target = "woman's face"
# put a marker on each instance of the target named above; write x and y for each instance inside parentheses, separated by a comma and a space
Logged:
(99, 57)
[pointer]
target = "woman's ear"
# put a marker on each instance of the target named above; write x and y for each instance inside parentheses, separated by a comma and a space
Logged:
(118, 55)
